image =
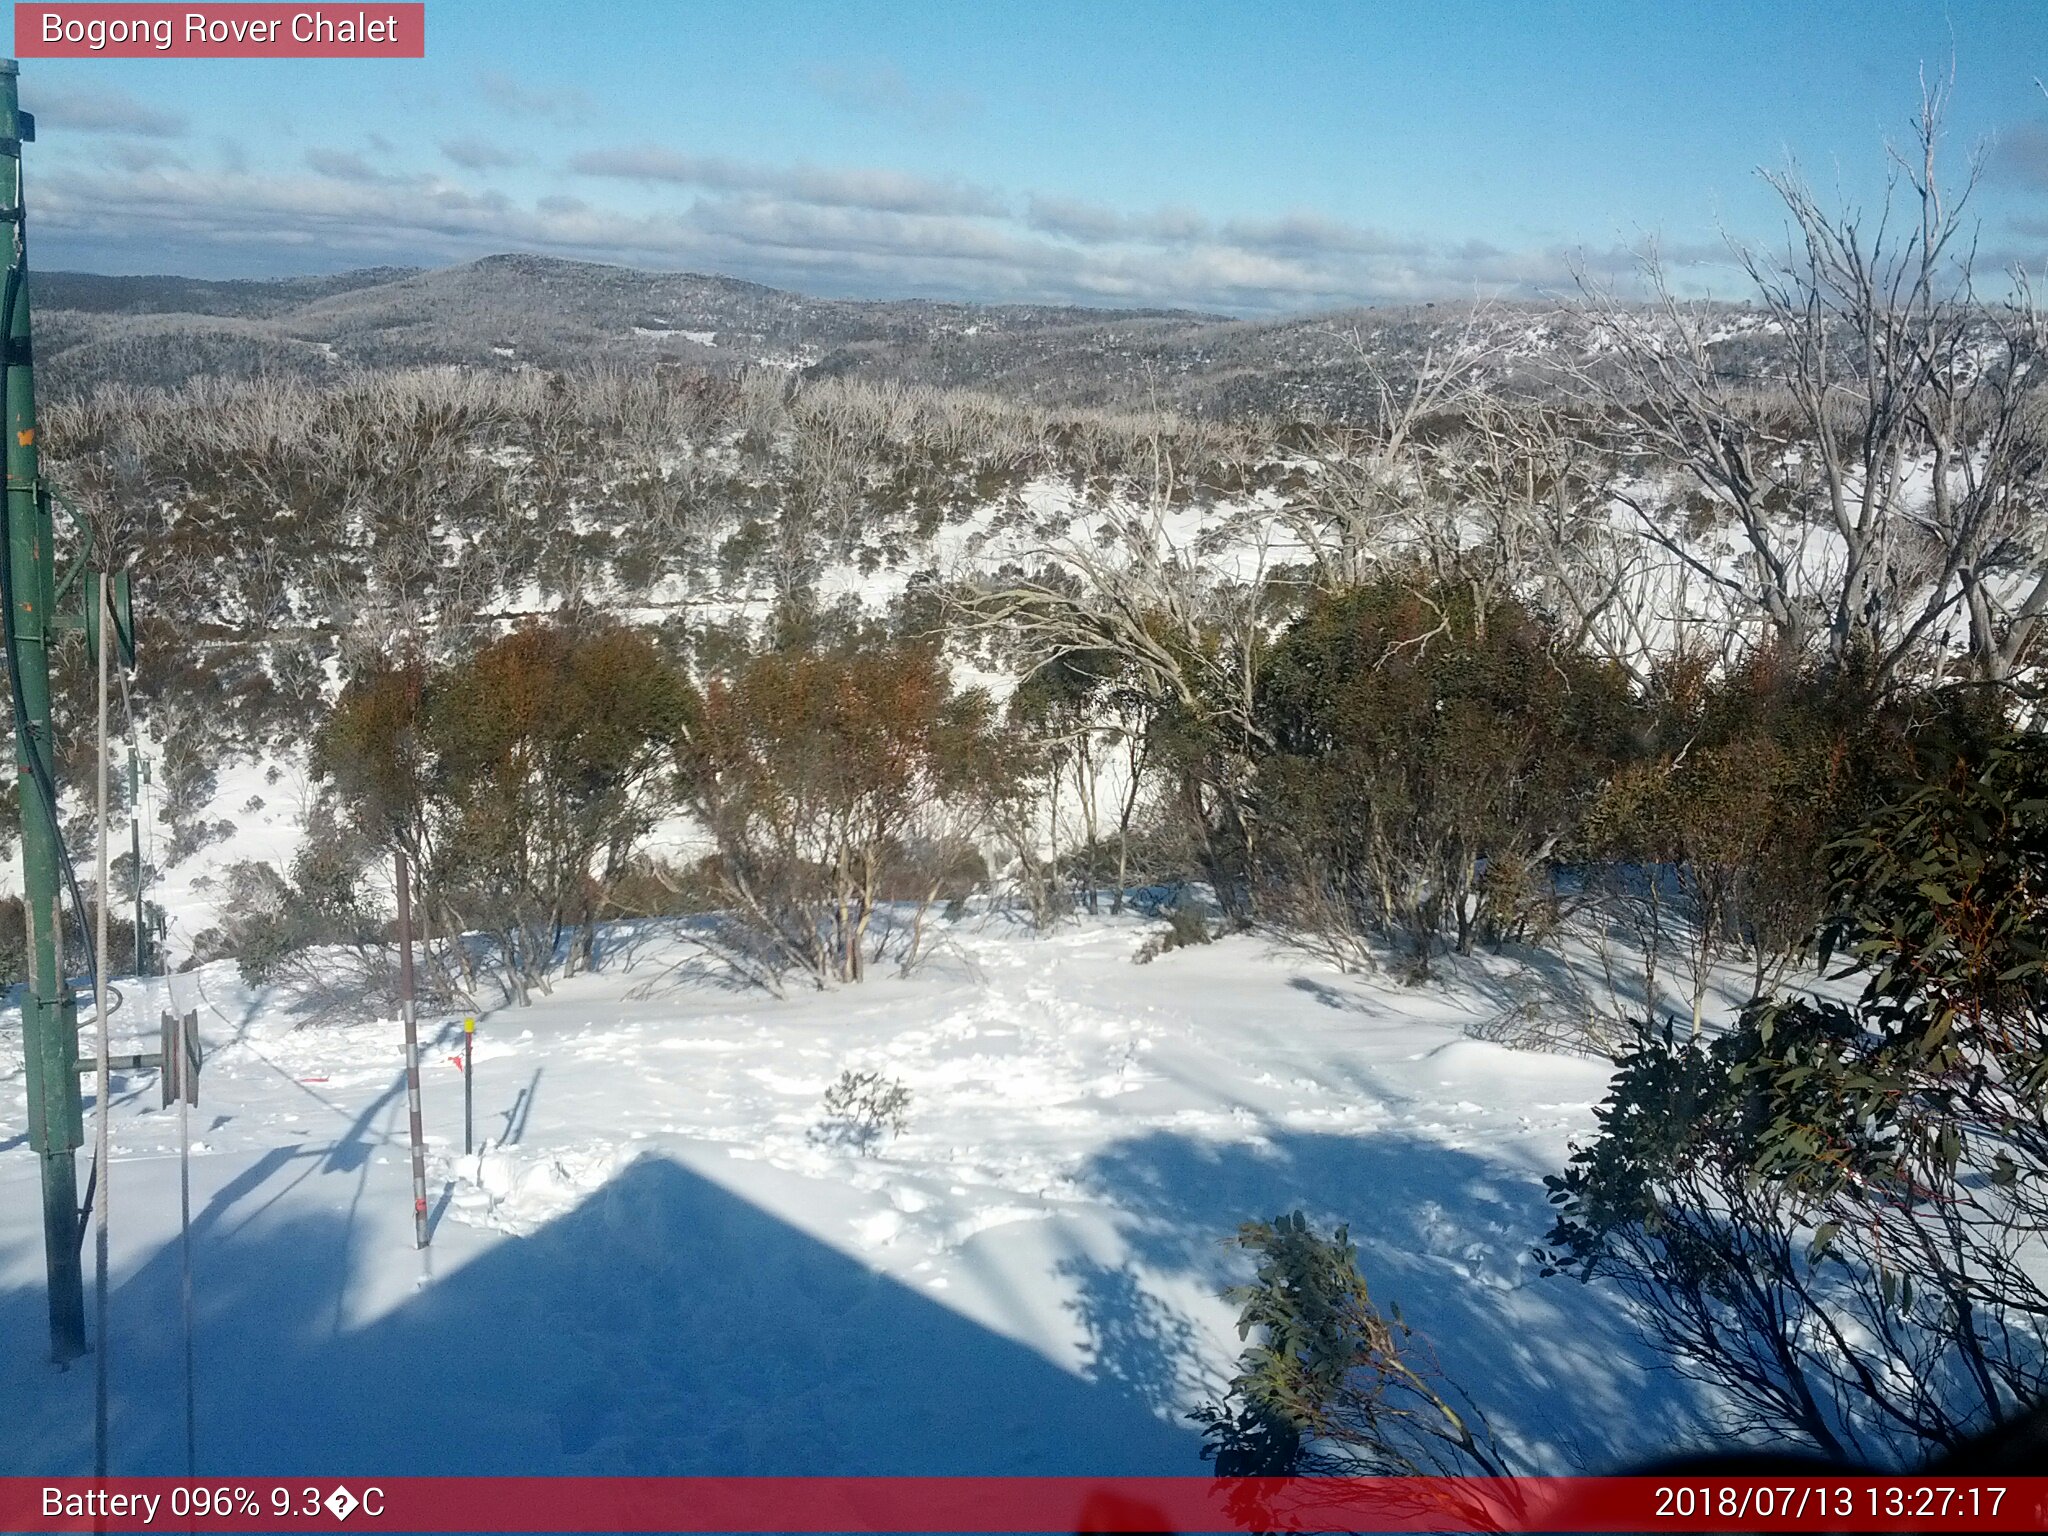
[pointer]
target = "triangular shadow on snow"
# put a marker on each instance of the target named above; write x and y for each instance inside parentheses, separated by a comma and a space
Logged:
(664, 1326)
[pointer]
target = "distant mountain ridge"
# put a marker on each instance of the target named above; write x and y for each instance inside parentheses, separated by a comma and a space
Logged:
(496, 312)
(244, 297)
(513, 311)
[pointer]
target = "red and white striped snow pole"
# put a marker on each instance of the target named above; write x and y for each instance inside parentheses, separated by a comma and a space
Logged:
(412, 1054)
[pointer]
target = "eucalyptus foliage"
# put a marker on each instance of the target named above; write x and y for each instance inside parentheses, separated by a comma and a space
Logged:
(1838, 1215)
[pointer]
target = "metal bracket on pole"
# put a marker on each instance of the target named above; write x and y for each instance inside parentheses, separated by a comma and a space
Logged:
(119, 606)
(56, 1115)
(176, 1062)
(180, 1058)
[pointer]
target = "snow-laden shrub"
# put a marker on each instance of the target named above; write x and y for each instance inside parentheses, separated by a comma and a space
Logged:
(314, 928)
(859, 1108)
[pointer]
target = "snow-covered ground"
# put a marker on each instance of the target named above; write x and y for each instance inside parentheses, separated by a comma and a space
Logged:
(656, 1264)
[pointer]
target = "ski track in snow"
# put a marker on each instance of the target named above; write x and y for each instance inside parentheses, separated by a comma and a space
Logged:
(655, 1261)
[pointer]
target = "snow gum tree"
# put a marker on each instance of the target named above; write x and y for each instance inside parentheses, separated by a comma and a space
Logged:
(1710, 842)
(518, 780)
(832, 784)
(1428, 754)
(1090, 723)
(550, 747)
(1885, 485)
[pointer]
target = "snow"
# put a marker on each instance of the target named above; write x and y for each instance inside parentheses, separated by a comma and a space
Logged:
(655, 1264)
(259, 806)
(701, 338)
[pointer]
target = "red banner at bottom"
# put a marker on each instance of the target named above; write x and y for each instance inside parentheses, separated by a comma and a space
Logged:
(1024, 1504)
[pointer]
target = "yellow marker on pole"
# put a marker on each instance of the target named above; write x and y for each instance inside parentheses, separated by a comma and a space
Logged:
(468, 1093)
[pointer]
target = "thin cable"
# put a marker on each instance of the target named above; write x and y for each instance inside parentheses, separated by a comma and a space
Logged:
(101, 1117)
(184, 1110)
(185, 1268)
(138, 768)
(147, 820)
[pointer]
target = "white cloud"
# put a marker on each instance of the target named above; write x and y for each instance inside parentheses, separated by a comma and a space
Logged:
(131, 156)
(555, 103)
(849, 232)
(881, 90)
(102, 111)
(481, 154)
(891, 191)
(343, 165)
(1076, 219)
(2020, 156)
(1315, 234)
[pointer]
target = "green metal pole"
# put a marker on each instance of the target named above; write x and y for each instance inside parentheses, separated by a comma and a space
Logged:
(48, 1014)
(135, 849)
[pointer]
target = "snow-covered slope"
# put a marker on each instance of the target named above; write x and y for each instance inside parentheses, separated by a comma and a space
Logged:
(655, 1264)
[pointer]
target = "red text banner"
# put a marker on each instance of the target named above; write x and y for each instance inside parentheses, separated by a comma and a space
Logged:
(933, 1504)
(114, 31)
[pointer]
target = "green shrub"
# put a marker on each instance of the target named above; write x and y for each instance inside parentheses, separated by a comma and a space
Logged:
(1331, 1383)
(1835, 1214)
(1419, 739)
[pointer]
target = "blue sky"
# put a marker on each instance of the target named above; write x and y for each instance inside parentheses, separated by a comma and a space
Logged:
(1247, 157)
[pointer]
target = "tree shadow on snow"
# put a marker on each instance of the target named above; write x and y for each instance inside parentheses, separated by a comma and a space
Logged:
(1141, 1343)
(620, 944)
(1329, 996)
(664, 1326)
(1555, 1364)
